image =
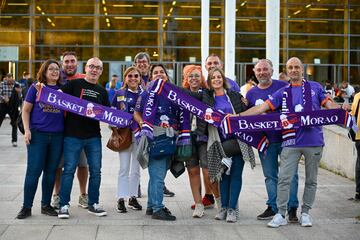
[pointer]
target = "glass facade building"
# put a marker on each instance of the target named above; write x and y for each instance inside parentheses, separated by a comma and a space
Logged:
(324, 34)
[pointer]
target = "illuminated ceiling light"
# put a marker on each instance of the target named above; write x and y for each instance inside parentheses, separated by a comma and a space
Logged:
(150, 18)
(307, 6)
(236, 10)
(215, 6)
(174, 3)
(38, 8)
(53, 24)
(108, 24)
(165, 21)
(319, 21)
(190, 6)
(17, 4)
(243, 19)
(107, 20)
(262, 20)
(319, 9)
(171, 10)
(289, 16)
(169, 14)
(123, 18)
(105, 9)
(183, 19)
(155, 54)
(62, 17)
(106, 14)
(218, 26)
(243, 3)
(151, 5)
(103, 2)
(214, 19)
(5, 16)
(49, 20)
(123, 5)
(164, 25)
(297, 12)
(339, 9)
(293, 20)
(42, 13)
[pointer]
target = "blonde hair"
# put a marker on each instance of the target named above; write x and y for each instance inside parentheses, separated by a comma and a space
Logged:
(127, 71)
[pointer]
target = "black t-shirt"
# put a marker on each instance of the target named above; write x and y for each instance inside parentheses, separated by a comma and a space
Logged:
(79, 126)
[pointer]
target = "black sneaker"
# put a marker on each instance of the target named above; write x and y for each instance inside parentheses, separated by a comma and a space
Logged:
(134, 204)
(149, 211)
(64, 212)
(168, 193)
(267, 214)
(121, 206)
(356, 198)
(292, 218)
(97, 210)
(48, 210)
(163, 214)
(24, 213)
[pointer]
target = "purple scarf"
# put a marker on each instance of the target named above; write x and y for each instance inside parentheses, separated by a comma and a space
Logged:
(86, 108)
(206, 113)
(273, 121)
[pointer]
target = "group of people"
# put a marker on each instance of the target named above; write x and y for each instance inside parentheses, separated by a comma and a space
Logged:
(81, 147)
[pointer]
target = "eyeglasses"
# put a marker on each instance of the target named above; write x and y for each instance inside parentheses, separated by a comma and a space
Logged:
(141, 62)
(194, 76)
(133, 75)
(92, 67)
(54, 69)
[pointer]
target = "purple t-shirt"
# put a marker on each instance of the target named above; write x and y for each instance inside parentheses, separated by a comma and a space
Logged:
(166, 114)
(223, 105)
(309, 136)
(233, 85)
(257, 96)
(127, 97)
(44, 118)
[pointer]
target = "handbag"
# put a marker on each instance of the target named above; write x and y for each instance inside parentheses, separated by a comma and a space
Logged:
(20, 123)
(120, 139)
(231, 147)
(162, 146)
(184, 152)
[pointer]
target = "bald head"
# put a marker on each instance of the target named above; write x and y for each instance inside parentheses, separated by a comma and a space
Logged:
(295, 70)
(93, 70)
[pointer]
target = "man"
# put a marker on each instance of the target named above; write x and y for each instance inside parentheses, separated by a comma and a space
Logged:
(213, 61)
(112, 86)
(283, 77)
(350, 91)
(355, 111)
(257, 95)
(250, 83)
(10, 92)
(68, 73)
(308, 142)
(83, 134)
(24, 80)
(142, 63)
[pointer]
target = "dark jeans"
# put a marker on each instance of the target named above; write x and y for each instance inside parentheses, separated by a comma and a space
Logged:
(5, 109)
(357, 167)
(43, 156)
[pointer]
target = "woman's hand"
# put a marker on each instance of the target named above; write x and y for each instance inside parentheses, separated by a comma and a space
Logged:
(27, 136)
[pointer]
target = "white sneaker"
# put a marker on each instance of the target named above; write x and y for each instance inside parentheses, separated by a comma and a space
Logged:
(277, 221)
(221, 215)
(305, 220)
(64, 212)
(199, 210)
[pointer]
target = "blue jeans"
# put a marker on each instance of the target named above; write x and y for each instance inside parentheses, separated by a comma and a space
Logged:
(43, 156)
(230, 185)
(157, 172)
(72, 149)
(270, 166)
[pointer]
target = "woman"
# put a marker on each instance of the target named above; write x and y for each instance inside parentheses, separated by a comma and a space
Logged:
(219, 97)
(44, 127)
(165, 119)
(129, 172)
(194, 81)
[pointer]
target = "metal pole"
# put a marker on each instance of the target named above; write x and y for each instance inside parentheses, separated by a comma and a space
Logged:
(273, 33)
(205, 16)
(230, 29)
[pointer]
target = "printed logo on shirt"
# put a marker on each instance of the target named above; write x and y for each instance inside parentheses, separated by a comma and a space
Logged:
(259, 102)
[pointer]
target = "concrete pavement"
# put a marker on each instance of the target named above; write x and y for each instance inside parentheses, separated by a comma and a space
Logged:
(333, 215)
